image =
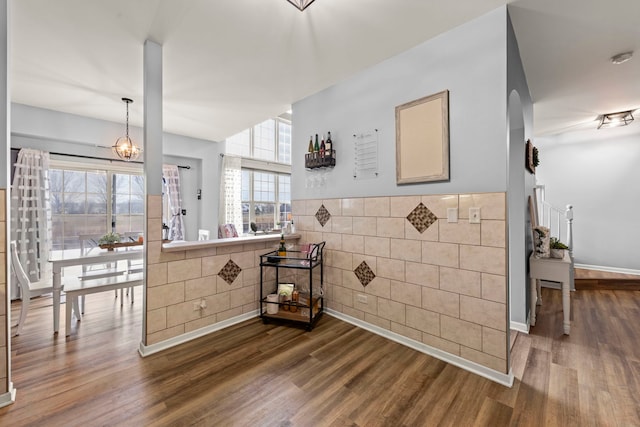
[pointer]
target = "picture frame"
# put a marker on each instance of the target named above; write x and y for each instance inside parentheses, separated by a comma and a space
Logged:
(286, 289)
(422, 139)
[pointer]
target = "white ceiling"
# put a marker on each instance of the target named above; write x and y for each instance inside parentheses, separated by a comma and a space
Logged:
(229, 64)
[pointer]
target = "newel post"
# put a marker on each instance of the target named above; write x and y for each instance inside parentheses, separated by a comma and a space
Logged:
(569, 216)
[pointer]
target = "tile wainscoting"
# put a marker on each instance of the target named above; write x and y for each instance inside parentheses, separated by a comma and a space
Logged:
(438, 283)
(225, 278)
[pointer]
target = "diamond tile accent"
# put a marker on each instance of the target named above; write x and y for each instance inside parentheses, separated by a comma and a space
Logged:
(421, 218)
(364, 273)
(230, 271)
(323, 216)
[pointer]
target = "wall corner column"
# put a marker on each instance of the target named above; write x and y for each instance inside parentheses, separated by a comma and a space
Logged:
(7, 392)
(152, 163)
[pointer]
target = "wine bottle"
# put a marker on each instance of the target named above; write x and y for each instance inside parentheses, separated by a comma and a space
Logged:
(316, 147)
(328, 145)
(310, 149)
(322, 148)
(282, 250)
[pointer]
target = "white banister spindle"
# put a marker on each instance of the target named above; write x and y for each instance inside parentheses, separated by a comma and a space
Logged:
(569, 215)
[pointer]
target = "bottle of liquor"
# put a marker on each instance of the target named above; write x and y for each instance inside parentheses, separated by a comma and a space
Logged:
(322, 148)
(310, 149)
(316, 147)
(328, 145)
(282, 250)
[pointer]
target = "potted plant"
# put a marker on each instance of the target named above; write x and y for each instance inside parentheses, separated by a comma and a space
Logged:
(557, 248)
(108, 240)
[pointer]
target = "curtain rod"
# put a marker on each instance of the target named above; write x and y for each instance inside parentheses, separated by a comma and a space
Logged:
(98, 158)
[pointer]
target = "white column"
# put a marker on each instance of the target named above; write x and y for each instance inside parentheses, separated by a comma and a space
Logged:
(153, 117)
(152, 145)
(7, 392)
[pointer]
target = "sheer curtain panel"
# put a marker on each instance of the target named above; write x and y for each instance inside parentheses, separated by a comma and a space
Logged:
(231, 192)
(171, 179)
(31, 214)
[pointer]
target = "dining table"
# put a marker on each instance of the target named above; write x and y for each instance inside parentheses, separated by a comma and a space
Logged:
(68, 258)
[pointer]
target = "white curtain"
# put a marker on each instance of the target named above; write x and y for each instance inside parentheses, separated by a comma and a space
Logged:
(171, 180)
(231, 192)
(31, 214)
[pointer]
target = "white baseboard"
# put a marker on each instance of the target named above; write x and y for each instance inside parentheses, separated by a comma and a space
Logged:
(519, 326)
(608, 269)
(483, 371)
(9, 397)
(146, 350)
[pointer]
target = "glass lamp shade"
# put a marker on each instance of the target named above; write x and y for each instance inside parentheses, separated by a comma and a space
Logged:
(126, 149)
(301, 4)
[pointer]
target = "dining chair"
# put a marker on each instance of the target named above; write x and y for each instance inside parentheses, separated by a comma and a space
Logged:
(28, 289)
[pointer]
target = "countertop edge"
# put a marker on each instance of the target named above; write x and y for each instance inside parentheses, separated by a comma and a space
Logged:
(217, 243)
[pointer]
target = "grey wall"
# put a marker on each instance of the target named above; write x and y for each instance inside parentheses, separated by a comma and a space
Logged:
(469, 61)
(67, 133)
(597, 172)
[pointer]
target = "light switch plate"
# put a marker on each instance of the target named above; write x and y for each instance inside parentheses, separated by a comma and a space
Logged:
(452, 214)
(474, 215)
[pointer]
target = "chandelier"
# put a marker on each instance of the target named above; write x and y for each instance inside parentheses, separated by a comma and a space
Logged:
(124, 146)
(301, 4)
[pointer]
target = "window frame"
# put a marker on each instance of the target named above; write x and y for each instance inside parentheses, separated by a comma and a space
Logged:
(111, 170)
(277, 202)
(276, 139)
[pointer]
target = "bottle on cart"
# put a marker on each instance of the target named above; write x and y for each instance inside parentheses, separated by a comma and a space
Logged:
(322, 148)
(295, 296)
(328, 145)
(316, 147)
(310, 149)
(282, 250)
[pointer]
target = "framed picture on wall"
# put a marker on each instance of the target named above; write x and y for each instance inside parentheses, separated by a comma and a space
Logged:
(422, 139)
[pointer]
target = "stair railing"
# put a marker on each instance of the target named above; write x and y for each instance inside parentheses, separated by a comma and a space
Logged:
(559, 221)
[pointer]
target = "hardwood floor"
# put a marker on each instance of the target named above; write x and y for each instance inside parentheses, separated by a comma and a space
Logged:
(267, 375)
(594, 279)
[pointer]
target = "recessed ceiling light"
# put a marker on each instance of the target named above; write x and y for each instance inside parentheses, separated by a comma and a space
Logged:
(621, 58)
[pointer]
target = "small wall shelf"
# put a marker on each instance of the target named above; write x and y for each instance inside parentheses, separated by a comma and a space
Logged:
(315, 160)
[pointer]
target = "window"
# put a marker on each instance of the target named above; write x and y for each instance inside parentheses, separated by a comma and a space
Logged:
(264, 140)
(240, 144)
(268, 141)
(266, 199)
(266, 186)
(93, 201)
(284, 142)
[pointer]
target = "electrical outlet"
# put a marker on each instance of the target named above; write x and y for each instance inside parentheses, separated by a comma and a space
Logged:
(474, 215)
(203, 304)
(452, 214)
(362, 298)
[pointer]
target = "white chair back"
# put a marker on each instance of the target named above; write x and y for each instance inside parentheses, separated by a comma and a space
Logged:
(23, 279)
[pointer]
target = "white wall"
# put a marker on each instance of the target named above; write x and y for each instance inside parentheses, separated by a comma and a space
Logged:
(521, 182)
(67, 133)
(597, 172)
(469, 61)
